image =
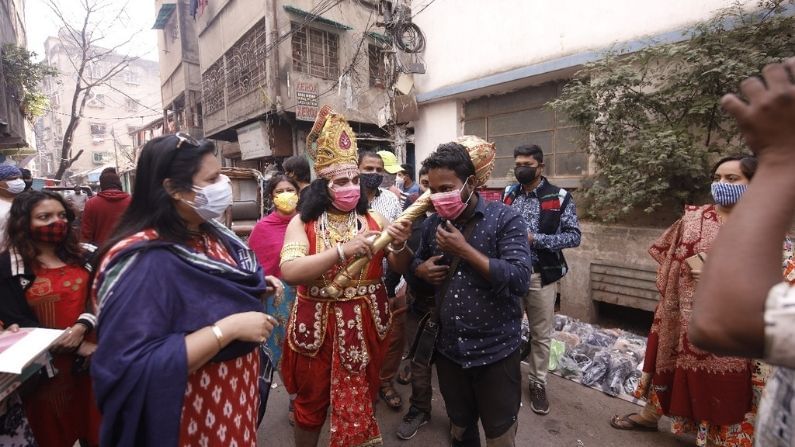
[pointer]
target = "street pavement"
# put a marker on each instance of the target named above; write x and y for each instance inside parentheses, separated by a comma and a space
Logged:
(579, 417)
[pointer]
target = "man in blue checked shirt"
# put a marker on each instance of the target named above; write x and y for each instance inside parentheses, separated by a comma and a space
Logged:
(551, 226)
(477, 350)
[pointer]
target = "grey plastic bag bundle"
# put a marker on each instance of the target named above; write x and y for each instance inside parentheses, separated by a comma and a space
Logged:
(621, 367)
(596, 372)
(632, 381)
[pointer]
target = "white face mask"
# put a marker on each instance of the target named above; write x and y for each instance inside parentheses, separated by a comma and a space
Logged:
(400, 182)
(15, 186)
(212, 200)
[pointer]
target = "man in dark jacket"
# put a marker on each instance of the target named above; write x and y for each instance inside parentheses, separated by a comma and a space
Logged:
(103, 212)
(551, 226)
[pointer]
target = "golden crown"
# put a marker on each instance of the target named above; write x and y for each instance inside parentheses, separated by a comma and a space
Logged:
(332, 145)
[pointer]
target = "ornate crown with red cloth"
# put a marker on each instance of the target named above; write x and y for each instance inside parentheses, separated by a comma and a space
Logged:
(332, 145)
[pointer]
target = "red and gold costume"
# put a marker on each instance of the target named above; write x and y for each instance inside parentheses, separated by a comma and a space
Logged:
(335, 346)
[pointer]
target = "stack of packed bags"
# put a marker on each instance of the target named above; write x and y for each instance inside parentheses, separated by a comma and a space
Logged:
(606, 359)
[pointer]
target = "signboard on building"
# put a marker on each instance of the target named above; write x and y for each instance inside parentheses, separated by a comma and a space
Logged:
(254, 141)
(306, 101)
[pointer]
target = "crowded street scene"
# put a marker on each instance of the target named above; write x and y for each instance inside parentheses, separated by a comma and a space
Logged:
(355, 223)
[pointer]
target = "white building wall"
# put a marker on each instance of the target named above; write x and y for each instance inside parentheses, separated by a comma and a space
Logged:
(442, 126)
(468, 40)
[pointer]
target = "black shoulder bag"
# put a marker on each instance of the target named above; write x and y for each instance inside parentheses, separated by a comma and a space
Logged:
(424, 344)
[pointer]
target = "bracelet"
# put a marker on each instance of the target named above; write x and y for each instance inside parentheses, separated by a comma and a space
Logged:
(341, 253)
(218, 335)
(394, 251)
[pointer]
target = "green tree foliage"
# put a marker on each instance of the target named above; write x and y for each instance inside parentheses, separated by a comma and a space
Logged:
(23, 79)
(653, 118)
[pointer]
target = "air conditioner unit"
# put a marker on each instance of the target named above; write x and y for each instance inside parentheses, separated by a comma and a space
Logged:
(98, 140)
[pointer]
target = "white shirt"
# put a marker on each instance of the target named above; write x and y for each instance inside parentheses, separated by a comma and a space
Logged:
(5, 210)
(387, 204)
(775, 426)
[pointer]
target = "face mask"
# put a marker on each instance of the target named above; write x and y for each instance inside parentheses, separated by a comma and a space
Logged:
(371, 180)
(727, 194)
(400, 182)
(286, 202)
(448, 205)
(54, 233)
(525, 174)
(346, 198)
(15, 186)
(212, 200)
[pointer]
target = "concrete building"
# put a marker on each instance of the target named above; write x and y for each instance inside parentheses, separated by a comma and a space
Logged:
(180, 77)
(16, 132)
(113, 110)
(266, 69)
(490, 70)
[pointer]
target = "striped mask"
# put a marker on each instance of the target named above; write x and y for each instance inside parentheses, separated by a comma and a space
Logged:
(727, 194)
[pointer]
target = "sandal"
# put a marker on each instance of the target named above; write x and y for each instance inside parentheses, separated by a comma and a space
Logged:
(404, 376)
(625, 423)
(291, 414)
(391, 397)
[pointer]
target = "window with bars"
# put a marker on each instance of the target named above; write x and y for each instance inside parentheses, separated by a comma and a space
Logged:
(246, 62)
(375, 57)
(315, 52)
(97, 129)
(213, 87)
(131, 105)
(522, 117)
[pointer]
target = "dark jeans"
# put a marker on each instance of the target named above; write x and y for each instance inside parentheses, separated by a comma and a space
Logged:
(491, 393)
(421, 387)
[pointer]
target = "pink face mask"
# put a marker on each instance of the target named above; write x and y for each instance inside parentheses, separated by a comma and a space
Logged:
(448, 205)
(346, 198)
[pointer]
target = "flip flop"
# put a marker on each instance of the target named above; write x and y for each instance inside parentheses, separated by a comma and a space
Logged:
(404, 376)
(625, 423)
(391, 398)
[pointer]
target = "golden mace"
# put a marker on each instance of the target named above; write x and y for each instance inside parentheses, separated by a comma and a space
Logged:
(482, 154)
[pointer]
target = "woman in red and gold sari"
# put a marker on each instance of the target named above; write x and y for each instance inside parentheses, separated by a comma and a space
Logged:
(712, 396)
(335, 346)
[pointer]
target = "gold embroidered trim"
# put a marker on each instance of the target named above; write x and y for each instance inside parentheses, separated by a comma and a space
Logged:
(293, 251)
(319, 326)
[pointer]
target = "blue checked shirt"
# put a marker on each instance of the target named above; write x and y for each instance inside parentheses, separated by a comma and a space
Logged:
(568, 234)
(480, 318)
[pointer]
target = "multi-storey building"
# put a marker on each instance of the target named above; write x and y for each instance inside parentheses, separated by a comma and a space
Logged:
(266, 70)
(113, 109)
(16, 132)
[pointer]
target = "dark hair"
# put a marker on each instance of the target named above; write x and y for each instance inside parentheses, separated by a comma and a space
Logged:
(275, 180)
(317, 200)
(367, 153)
(26, 174)
(423, 171)
(108, 169)
(109, 180)
(151, 205)
(408, 170)
(299, 167)
(748, 164)
(529, 150)
(452, 156)
(18, 228)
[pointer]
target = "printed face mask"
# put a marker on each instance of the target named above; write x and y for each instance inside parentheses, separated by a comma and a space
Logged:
(286, 202)
(400, 182)
(54, 232)
(449, 205)
(15, 186)
(371, 180)
(727, 194)
(212, 200)
(525, 174)
(346, 197)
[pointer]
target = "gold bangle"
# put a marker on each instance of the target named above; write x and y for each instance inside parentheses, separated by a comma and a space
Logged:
(219, 336)
(394, 251)
(293, 251)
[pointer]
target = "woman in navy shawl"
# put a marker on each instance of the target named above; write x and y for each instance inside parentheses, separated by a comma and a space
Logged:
(180, 310)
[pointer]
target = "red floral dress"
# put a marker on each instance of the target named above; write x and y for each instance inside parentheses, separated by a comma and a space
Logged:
(221, 399)
(61, 409)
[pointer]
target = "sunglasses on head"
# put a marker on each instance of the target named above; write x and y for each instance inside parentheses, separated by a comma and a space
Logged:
(185, 138)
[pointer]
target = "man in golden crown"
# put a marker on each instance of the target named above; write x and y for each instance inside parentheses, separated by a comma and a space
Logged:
(336, 344)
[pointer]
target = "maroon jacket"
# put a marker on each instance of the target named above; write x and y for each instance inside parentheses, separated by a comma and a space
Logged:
(101, 215)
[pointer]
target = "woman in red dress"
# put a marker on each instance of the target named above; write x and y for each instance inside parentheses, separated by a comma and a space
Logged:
(43, 249)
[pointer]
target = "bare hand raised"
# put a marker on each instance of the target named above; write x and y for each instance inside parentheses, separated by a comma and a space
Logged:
(432, 272)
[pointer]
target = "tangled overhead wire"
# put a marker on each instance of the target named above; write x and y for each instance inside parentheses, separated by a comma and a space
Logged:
(408, 37)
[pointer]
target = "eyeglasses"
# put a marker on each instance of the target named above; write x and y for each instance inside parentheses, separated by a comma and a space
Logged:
(185, 138)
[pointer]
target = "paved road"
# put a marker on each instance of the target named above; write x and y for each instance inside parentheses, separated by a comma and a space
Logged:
(579, 418)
